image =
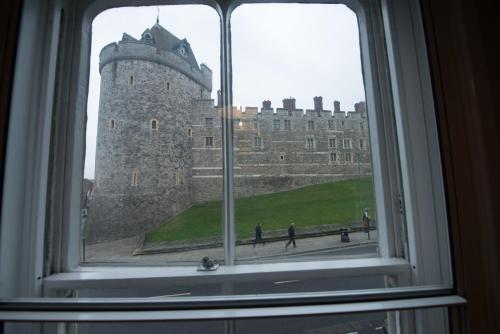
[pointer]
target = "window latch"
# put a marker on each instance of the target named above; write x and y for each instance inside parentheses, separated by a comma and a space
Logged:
(208, 265)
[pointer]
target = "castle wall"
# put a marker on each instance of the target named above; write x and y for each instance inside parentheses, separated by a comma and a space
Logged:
(283, 161)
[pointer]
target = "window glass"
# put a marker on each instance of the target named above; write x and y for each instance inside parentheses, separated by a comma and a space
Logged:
(350, 323)
(295, 208)
(148, 193)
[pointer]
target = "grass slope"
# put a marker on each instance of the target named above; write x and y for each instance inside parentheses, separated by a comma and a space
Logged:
(339, 202)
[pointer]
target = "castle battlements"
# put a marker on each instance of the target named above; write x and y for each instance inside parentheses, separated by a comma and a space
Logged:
(170, 51)
(246, 112)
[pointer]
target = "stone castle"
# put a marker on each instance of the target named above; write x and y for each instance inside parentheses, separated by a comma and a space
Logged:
(159, 144)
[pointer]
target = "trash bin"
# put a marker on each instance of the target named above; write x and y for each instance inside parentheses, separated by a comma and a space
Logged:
(344, 235)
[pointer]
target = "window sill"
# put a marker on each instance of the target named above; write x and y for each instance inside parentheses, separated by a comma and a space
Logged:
(137, 276)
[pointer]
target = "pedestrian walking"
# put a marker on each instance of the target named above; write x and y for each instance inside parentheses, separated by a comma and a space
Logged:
(291, 236)
(366, 222)
(258, 235)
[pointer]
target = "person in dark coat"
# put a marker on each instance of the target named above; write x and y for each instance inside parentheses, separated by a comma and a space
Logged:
(291, 236)
(258, 235)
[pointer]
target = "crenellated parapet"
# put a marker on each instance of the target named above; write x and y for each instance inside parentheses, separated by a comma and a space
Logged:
(139, 50)
(289, 110)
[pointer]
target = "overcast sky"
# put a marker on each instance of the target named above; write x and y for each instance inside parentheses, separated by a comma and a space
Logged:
(278, 51)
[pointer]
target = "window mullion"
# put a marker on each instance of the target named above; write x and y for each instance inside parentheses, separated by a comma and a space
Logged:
(227, 142)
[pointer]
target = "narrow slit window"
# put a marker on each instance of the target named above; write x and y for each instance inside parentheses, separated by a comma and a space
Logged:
(154, 125)
(135, 178)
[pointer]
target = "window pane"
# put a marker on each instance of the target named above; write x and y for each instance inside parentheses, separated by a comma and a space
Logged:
(307, 191)
(398, 321)
(154, 153)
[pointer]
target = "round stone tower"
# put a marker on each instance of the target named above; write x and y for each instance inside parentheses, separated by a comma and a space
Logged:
(143, 154)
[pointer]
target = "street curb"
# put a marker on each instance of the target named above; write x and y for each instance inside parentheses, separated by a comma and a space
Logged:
(140, 250)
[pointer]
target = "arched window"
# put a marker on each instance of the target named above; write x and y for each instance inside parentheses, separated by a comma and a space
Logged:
(112, 124)
(190, 133)
(167, 86)
(154, 124)
(148, 38)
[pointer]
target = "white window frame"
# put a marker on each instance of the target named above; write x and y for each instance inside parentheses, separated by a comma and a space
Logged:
(410, 193)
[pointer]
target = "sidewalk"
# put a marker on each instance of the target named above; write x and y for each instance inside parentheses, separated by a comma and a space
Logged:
(121, 251)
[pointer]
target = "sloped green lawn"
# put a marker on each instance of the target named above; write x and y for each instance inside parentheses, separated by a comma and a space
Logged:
(339, 202)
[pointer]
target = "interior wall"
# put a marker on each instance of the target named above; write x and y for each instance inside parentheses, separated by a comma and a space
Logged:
(461, 35)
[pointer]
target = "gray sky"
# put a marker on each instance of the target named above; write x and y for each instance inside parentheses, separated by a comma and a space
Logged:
(278, 51)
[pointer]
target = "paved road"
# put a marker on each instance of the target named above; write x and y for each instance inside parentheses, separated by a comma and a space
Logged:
(311, 248)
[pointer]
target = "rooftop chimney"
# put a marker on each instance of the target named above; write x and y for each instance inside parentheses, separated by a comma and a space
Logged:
(336, 106)
(289, 103)
(318, 103)
(360, 106)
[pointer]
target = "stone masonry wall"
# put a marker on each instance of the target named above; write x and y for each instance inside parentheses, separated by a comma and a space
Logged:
(284, 160)
(143, 174)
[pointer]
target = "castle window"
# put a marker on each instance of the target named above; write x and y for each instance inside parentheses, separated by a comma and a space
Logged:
(131, 80)
(347, 143)
(257, 141)
(209, 122)
(179, 177)
(209, 141)
(154, 125)
(147, 38)
(348, 157)
(310, 142)
(332, 142)
(310, 125)
(135, 178)
(333, 157)
(288, 124)
(276, 124)
(190, 132)
(282, 157)
(112, 124)
(361, 144)
(330, 124)
(167, 86)
(342, 123)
